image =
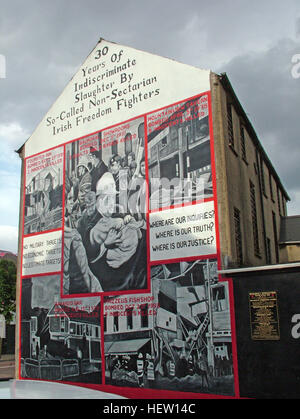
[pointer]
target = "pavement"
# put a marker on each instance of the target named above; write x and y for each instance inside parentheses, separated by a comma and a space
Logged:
(11, 388)
(7, 367)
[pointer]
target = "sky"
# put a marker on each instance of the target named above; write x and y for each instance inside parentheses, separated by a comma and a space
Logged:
(43, 43)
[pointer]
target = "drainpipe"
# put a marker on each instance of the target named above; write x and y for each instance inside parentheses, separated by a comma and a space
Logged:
(211, 339)
(259, 169)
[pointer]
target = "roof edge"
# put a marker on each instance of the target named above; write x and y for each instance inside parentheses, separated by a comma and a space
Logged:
(230, 272)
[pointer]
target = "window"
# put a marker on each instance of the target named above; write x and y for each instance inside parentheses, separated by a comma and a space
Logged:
(33, 324)
(218, 297)
(72, 328)
(254, 220)
(283, 205)
(105, 322)
(88, 328)
(238, 236)
(278, 200)
(116, 321)
(79, 329)
(262, 175)
(97, 332)
(230, 125)
(202, 127)
(114, 147)
(271, 187)
(164, 142)
(268, 255)
(144, 315)
(275, 236)
(129, 318)
(243, 145)
(62, 324)
(128, 143)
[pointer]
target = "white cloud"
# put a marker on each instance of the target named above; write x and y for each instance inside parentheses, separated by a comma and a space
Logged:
(12, 135)
(10, 196)
(293, 205)
(9, 238)
(270, 97)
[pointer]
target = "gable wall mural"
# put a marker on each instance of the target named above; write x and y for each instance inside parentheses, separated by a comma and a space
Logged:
(119, 287)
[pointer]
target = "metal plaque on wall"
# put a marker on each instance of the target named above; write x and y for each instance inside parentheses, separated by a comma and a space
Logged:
(264, 319)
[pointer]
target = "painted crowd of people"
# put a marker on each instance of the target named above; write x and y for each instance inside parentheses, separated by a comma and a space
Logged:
(104, 235)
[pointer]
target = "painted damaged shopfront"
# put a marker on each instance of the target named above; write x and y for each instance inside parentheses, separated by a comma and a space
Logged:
(118, 285)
